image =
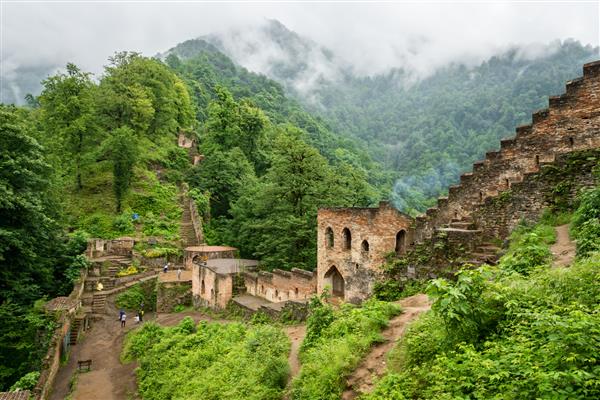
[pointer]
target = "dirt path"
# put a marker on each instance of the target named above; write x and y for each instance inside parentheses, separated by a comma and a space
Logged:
(108, 379)
(296, 335)
(564, 248)
(374, 364)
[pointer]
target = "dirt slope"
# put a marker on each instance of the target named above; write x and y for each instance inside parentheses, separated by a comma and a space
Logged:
(374, 364)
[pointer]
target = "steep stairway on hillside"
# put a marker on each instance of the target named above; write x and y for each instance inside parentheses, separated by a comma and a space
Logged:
(187, 232)
(75, 329)
(98, 303)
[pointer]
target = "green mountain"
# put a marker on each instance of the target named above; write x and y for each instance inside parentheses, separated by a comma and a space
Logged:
(427, 130)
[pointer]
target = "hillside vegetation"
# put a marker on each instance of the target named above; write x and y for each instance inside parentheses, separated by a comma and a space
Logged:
(99, 158)
(209, 361)
(520, 330)
(425, 130)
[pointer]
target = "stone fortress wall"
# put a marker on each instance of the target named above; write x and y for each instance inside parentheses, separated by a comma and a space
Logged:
(551, 158)
(279, 285)
(571, 123)
(352, 244)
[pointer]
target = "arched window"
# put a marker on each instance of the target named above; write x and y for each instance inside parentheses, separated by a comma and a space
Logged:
(347, 239)
(262, 289)
(364, 246)
(329, 237)
(202, 287)
(336, 281)
(296, 292)
(537, 160)
(276, 293)
(480, 197)
(571, 141)
(506, 183)
(401, 242)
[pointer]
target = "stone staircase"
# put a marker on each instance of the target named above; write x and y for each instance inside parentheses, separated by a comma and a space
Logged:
(75, 329)
(187, 232)
(99, 302)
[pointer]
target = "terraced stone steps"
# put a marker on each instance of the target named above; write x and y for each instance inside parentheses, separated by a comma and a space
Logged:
(99, 303)
(75, 328)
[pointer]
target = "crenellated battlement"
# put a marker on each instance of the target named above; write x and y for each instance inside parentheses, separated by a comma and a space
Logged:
(571, 123)
(512, 183)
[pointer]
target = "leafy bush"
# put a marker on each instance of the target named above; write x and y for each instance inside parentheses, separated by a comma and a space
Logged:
(541, 336)
(335, 343)
(123, 224)
(210, 361)
(162, 252)
(131, 270)
(468, 313)
(26, 382)
(529, 249)
(585, 227)
(393, 289)
(132, 298)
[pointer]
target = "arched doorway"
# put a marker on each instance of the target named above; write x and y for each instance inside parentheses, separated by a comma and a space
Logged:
(401, 242)
(336, 280)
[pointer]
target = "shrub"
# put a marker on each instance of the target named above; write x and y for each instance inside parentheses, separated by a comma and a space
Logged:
(210, 361)
(585, 227)
(131, 270)
(26, 382)
(542, 341)
(132, 298)
(334, 345)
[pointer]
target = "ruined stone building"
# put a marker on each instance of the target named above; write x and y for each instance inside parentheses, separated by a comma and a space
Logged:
(279, 285)
(546, 163)
(352, 244)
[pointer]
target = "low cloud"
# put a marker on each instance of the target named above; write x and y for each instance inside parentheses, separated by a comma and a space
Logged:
(369, 38)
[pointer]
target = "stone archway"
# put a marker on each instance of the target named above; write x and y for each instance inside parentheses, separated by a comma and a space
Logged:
(401, 242)
(334, 278)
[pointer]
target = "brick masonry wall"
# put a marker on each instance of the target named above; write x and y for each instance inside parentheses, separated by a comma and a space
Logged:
(281, 285)
(571, 123)
(359, 269)
(549, 159)
(171, 294)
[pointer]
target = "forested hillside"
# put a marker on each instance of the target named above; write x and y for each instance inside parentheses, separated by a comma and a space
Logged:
(99, 158)
(426, 130)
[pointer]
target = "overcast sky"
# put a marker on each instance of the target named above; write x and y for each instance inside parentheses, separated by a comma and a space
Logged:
(371, 36)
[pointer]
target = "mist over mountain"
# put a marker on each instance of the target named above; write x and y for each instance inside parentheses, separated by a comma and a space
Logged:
(426, 126)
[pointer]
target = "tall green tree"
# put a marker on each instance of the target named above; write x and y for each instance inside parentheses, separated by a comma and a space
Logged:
(275, 220)
(68, 115)
(143, 94)
(123, 151)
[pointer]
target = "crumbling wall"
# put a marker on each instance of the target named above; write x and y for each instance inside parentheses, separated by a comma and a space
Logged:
(171, 294)
(373, 234)
(211, 289)
(280, 285)
(570, 123)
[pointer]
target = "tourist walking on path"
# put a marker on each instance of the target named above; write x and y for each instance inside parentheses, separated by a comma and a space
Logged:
(121, 312)
(178, 273)
(166, 268)
(141, 314)
(123, 318)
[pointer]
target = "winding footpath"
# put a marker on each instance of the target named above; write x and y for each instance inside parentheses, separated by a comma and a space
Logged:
(373, 366)
(563, 250)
